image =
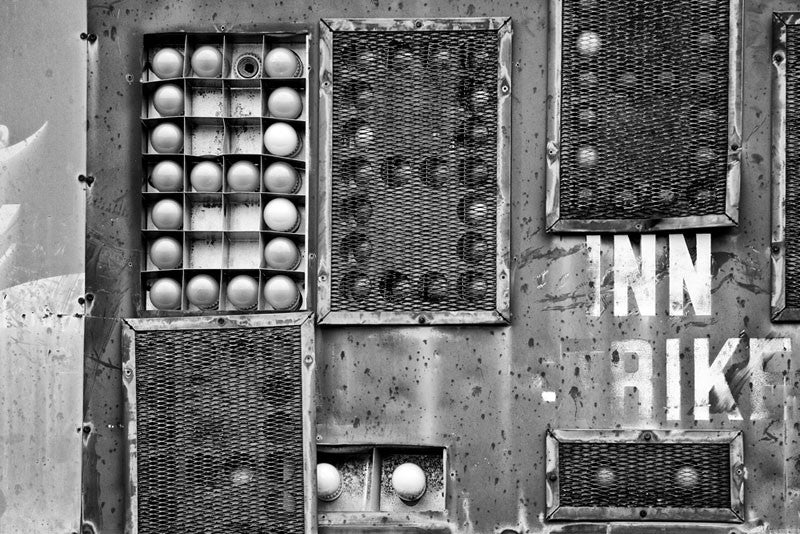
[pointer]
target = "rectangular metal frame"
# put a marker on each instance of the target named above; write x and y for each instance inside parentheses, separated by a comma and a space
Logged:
(556, 512)
(778, 304)
(277, 34)
(501, 314)
(554, 222)
(422, 521)
(306, 323)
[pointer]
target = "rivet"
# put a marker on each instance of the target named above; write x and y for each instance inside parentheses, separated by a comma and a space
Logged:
(87, 429)
(418, 24)
(128, 371)
(643, 513)
(504, 88)
(319, 437)
(89, 297)
(778, 58)
(734, 147)
(84, 35)
(552, 477)
(421, 320)
(92, 37)
(220, 321)
(81, 301)
(775, 249)
(647, 436)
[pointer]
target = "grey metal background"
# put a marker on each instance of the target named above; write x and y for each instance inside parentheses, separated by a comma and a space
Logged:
(475, 390)
(42, 206)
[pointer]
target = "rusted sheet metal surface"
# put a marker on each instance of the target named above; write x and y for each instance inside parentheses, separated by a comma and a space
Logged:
(578, 354)
(42, 151)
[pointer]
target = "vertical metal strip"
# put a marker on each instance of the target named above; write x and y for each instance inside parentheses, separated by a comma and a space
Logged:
(504, 170)
(733, 176)
(325, 114)
(308, 365)
(128, 352)
(778, 250)
(552, 200)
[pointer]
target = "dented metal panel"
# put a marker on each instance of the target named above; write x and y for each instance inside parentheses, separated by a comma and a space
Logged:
(42, 153)
(602, 335)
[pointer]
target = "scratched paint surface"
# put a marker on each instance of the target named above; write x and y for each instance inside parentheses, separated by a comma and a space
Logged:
(42, 151)
(583, 351)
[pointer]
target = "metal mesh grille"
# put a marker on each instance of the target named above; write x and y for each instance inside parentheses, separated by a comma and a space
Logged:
(219, 423)
(414, 171)
(644, 108)
(792, 205)
(664, 475)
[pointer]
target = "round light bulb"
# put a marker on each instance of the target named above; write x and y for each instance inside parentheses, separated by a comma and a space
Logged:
(281, 253)
(605, 476)
(166, 138)
(408, 481)
(687, 477)
(167, 214)
(329, 482)
(167, 63)
(476, 212)
(587, 156)
(282, 293)
(589, 43)
(282, 140)
(206, 177)
(207, 62)
(282, 63)
(243, 176)
(285, 103)
(167, 176)
(165, 294)
(365, 137)
(243, 292)
(280, 177)
(168, 100)
(166, 253)
(203, 291)
(281, 215)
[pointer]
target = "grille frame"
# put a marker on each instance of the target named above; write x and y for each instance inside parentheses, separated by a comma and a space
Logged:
(500, 312)
(558, 512)
(555, 223)
(304, 321)
(781, 283)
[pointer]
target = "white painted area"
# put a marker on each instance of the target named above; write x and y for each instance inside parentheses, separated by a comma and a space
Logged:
(637, 274)
(754, 371)
(673, 378)
(594, 270)
(695, 277)
(640, 352)
(41, 388)
(711, 377)
(548, 396)
(17, 149)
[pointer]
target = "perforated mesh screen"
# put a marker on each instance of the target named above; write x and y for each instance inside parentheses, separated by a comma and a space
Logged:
(664, 475)
(792, 207)
(414, 171)
(644, 108)
(219, 422)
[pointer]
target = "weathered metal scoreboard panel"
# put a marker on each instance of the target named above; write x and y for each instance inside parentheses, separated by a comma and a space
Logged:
(640, 341)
